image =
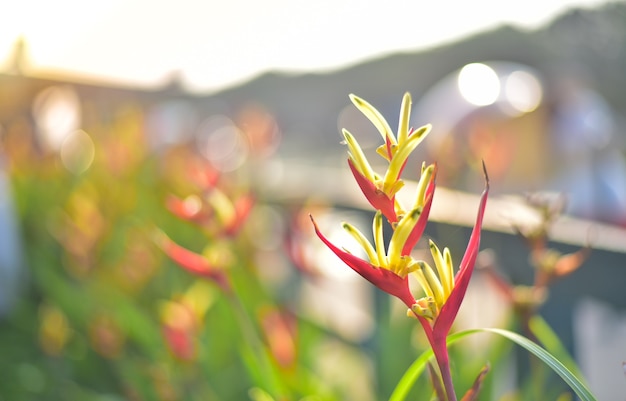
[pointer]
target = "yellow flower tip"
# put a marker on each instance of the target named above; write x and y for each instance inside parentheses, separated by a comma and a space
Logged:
(445, 269)
(384, 152)
(375, 117)
(379, 240)
(222, 205)
(357, 156)
(372, 253)
(424, 307)
(435, 288)
(405, 115)
(422, 186)
(354, 98)
(401, 234)
(423, 130)
(392, 189)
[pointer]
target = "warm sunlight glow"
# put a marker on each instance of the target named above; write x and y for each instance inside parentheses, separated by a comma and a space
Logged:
(217, 44)
(479, 84)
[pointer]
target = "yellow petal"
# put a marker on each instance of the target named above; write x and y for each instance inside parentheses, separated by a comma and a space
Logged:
(405, 114)
(425, 178)
(404, 151)
(358, 157)
(401, 234)
(365, 244)
(379, 241)
(445, 273)
(433, 283)
(375, 117)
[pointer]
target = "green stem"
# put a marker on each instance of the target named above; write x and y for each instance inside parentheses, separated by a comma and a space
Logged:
(254, 343)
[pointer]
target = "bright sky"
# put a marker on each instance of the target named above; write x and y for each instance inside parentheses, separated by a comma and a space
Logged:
(220, 43)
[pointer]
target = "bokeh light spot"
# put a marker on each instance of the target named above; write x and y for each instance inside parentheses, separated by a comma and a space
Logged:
(523, 91)
(57, 113)
(222, 143)
(479, 84)
(77, 152)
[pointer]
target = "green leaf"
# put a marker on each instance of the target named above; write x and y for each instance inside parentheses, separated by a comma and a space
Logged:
(575, 384)
(417, 367)
(548, 338)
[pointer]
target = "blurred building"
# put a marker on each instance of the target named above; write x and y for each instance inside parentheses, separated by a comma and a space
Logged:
(533, 134)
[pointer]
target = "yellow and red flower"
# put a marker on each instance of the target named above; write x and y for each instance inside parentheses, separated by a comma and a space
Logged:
(381, 191)
(389, 269)
(193, 262)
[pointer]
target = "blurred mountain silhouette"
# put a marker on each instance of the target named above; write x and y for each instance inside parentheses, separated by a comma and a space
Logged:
(590, 43)
(586, 44)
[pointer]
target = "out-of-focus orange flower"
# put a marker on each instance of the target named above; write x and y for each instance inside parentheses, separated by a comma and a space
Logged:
(214, 211)
(139, 262)
(189, 209)
(297, 241)
(79, 228)
(106, 336)
(194, 263)
(182, 318)
(279, 329)
(179, 328)
(549, 264)
(261, 130)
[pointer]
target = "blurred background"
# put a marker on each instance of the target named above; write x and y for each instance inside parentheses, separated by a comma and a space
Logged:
(102, 108)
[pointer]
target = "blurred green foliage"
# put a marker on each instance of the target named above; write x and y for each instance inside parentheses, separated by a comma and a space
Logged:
(105, 315)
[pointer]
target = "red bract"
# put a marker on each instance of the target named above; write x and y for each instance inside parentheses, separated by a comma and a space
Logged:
(384, 279)
(418, 230)
(189, 209)
(377, 198)
(203, 175)
(181, 342)
(388, 270)
(242, 207)
(438, 331)
(214, 212)
(449, 310)
(193, 262)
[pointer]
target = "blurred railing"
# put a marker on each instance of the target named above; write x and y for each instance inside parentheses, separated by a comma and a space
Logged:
(282, 180)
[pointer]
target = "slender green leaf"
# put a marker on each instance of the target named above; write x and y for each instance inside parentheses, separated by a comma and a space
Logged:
(575, 384)
(417, 367)
(548, 338)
